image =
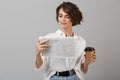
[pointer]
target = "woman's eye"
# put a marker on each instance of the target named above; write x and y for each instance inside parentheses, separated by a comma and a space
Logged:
(67, 17)
(59, 15)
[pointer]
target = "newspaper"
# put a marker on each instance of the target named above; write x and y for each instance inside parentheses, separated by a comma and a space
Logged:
(62, 46)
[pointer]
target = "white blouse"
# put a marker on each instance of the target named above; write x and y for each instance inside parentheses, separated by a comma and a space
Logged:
(52, 64)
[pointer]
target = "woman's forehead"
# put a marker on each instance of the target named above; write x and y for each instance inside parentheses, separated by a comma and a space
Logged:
(61, 11)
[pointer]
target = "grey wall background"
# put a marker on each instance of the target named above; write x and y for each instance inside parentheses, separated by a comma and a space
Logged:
(22, 21)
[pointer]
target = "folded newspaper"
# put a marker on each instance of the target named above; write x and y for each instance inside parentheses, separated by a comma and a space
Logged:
(62, 46)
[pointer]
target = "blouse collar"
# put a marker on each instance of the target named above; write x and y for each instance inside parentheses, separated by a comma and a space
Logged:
(61, 33)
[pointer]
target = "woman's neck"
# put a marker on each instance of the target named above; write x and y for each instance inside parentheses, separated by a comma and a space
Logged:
(68, 32)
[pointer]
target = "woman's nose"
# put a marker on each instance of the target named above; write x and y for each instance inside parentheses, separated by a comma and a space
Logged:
(63, 19)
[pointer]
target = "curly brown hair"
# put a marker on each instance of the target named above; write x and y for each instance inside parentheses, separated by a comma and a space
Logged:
(72, 10)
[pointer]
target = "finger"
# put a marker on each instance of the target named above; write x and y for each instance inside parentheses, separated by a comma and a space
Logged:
(38, 42)
(43, 49)
(43, 42)
(94, 54)
(94, 59)
(45, 46)
(92, 51)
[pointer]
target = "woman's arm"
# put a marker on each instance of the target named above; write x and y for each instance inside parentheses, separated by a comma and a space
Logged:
(90, 57)
(41, 46)
(38, 61)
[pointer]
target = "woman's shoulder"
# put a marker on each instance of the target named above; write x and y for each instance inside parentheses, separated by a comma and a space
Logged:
(81, 38)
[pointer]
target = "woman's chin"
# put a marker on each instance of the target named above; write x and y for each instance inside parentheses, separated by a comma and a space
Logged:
(63, 26)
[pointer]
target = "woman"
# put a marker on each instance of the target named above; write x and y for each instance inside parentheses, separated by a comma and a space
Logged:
(67, 16)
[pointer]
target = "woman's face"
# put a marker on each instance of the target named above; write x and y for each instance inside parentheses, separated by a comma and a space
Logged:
(64, 19)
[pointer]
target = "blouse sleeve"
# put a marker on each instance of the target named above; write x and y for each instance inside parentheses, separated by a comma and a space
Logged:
(83, 52)
(83, 57)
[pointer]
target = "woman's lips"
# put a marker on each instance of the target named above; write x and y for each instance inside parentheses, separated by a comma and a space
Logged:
(63, 23)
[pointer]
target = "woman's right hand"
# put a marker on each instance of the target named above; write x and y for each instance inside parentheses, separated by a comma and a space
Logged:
(41, 46)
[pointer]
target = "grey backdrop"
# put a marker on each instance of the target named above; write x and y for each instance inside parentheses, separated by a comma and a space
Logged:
(22, 21)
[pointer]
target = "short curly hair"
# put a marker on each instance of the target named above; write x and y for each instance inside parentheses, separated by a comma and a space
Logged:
(72, 10)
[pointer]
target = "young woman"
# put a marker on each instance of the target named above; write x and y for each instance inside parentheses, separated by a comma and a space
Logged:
(67, 16)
